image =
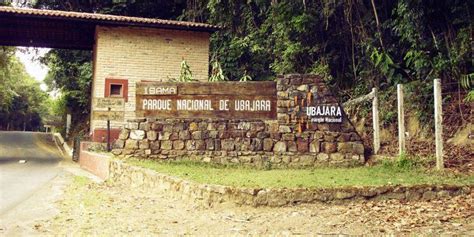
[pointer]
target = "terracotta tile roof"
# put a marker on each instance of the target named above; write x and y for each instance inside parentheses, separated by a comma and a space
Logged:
(108, 19)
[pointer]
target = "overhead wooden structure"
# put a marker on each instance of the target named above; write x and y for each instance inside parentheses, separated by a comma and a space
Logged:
(72, 30)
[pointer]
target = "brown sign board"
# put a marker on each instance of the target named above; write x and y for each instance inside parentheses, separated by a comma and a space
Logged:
(215, 100)
(108, 115)
(110, 102)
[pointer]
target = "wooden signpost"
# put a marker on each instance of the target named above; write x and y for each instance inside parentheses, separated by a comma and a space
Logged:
(108, 109)
(229, 100)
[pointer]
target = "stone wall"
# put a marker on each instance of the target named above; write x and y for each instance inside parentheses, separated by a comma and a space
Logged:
(290, 140)
(212, 194)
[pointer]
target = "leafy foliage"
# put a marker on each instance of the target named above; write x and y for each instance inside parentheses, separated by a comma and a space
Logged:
(22, 102)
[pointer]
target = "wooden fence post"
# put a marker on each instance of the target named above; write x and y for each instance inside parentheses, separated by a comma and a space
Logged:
(438, 114)
(401, 120)
(375, 118)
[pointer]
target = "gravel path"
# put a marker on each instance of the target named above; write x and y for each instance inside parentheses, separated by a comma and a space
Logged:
(105, 209)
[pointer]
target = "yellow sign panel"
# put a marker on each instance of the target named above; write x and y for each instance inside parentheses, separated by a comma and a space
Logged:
(106, 103)
(108, 115)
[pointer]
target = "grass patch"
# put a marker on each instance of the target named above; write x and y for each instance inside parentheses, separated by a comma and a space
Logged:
(397, 172)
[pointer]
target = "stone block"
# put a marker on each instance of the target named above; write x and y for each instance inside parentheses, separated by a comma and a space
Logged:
(155, 145)
(302, 145)
(168, 128)
(344, 147)
(283, 118)
(328, 147)
(280, 147)
(344, 137)
(157, 126)
(166, 145)
(212, 126)
(197, 135)
(193, 126)
(145, 126)
(336, 157)
(163, 136)
(174, 136)
(124, 133)
(144, 144)
(184, 135)
(292, 146)
(307, 160)
(178, 145)
(202, 125)
(119, 144)
(213, 134)
(358, 148)
(314, 146)
(288, 137)
(131, 144)
(200, 145)
(256, 145)
(284, 129)
(272, 126)
(178, 127)
(227, 145)
(322, 157)
(152, 135)
(190, 145)
(137, 134)
(267, 144)
(133, 125)
(303, 88)
(210, 144)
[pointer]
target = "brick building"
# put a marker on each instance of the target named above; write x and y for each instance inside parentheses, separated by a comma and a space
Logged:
(126, 49)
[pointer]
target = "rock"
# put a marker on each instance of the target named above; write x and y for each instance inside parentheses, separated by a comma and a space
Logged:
(328, 147)
(124, 133)
(200, 145)
(302, 145)
(358, 148)
(336, 157)
(145, 126)
(292, 146)
(131, 144)
(322, 157)
(256, 144)
(151, 135)
(267, 144)
(210, 145)
(155, 145)
(314, 146)
(144, 144)
(162, 136)
(178, 145)
(344, 147)
(280, 147)
(227, 145)
(133, 125)
(166, 145)
(284, 129)
(117, 151)
(288, 137)
(184, 135)
(190, 145)
(302, 88)
(168, 128)
(197, 135)
(119, 144)
(193, 126)
(137, 134)
(307, 160)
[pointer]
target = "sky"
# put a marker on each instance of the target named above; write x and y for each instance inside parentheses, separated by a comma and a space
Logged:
(37, 70)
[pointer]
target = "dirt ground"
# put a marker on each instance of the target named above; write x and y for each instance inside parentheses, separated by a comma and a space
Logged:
(106, 209)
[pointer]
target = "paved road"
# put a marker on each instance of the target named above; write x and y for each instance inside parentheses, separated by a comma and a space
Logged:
(19, 181)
